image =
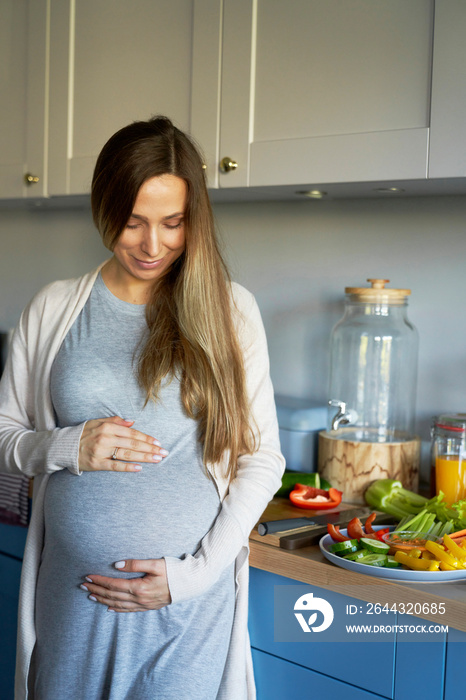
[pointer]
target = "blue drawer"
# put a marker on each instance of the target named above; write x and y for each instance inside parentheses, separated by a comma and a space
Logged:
(340, 660)
(277, 679)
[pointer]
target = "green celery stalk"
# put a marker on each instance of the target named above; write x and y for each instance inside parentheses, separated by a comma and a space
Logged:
(389, 496)
(421, 526)
(435, 529)
(446, 529)
(412, 523)
(430, 523)
(402, 522)
(412, 498)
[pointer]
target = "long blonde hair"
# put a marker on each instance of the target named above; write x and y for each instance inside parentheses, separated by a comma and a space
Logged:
(192, 333)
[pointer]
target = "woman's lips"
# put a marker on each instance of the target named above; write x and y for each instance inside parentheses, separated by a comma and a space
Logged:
(149, 265)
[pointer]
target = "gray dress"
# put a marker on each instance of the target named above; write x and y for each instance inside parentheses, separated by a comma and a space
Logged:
(84, 652)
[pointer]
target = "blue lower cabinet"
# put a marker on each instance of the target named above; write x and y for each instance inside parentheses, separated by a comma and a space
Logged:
(420, 659)
(10, 572)
(455, 665)
(273, 628)
(12, 539)
(277, 679)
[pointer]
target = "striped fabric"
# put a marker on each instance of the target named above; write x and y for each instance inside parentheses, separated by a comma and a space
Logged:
(14, 489)
(14, 499)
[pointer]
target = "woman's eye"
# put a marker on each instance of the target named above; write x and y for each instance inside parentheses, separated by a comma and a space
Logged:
(131, 226)
(174, 226)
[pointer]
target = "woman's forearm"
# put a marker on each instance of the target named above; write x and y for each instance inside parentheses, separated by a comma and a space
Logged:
(33, 452)
(22, 448)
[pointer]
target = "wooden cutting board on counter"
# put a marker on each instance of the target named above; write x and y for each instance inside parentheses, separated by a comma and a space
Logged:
(281, 509)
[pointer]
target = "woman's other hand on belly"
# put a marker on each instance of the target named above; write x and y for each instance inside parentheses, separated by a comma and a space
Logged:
(110, 444)
(147, 592)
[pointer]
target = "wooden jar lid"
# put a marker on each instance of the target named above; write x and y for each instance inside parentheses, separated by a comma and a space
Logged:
(378, 292)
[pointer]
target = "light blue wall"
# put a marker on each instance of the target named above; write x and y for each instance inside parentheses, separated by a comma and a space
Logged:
(297, 258)
(39, 246)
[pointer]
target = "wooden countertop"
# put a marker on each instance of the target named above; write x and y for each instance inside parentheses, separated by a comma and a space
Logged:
(308, 565)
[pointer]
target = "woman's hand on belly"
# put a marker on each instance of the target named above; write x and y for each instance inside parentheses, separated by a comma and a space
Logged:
(110, 444)
(148, 592)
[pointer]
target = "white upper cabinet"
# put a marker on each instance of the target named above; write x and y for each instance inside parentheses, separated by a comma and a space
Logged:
(334, 91)
(112, 62)
(23, 55)
(75, 71)
(295, 93)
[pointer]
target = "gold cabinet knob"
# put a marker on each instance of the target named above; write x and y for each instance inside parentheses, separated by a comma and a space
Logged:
(30, 179)
(227, 165)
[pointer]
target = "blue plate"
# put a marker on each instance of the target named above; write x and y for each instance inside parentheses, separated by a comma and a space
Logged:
(389, 574)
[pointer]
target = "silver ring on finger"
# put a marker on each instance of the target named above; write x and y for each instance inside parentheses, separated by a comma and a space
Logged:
(114, 455)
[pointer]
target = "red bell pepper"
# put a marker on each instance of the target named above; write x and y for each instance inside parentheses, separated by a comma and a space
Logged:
(315, 499)
(355, 529)
(380, 533)
(335, 534)
(368, 526)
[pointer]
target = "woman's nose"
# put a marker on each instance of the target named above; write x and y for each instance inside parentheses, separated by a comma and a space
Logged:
(151, 244)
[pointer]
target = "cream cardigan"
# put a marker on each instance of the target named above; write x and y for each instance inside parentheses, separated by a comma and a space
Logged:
(30, 443)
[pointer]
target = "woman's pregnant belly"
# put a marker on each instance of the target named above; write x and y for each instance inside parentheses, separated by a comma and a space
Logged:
(98, 518)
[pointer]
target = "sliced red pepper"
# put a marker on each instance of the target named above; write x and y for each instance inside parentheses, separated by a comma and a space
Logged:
(335, 534)
(355, 530)
(368, 526)
(380, 533)
(310, 497)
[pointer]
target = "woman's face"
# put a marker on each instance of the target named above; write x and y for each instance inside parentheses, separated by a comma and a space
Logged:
(154, 236)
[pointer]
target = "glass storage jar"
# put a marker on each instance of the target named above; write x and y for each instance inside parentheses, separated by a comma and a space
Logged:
(449, 455)
(373, 373)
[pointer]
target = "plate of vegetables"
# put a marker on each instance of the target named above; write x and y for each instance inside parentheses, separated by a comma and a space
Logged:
(365, 549)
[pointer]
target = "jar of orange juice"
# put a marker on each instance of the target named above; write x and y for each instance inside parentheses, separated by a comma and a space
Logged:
(449, 455)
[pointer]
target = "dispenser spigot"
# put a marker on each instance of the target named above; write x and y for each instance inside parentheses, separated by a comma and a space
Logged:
(343, 416)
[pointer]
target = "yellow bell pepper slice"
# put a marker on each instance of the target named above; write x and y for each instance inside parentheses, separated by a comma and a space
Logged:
(439, 553)
(454, 549)
(447, 567)
(416, 564)
(427, 555)
(416, 553)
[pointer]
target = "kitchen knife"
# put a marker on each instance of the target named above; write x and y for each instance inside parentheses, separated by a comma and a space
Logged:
(338, 517)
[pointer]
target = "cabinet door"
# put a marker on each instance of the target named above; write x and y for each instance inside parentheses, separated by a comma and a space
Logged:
(419, 653)
(205, 88)
(338, 660)
(12, 540)
(316, 92)
(23, 28)
(10, 572)
(112, 62)
(447, 142)
(456, 653)
(277, 679)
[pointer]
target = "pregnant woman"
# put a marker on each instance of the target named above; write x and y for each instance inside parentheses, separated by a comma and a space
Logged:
(138, 397)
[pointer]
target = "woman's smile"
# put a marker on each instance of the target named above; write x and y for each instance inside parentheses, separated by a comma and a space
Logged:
(148, 264)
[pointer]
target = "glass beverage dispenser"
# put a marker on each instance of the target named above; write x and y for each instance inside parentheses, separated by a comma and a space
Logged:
(370, 431)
